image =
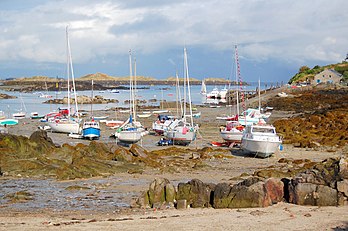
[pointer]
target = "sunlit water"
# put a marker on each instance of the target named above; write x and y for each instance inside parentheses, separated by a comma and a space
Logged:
(33, 103)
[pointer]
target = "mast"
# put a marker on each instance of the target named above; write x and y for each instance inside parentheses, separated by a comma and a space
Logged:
(188, 86)
(68, 67)
(130, 83)
(237, 81)
(178, 96)
(259, 96)
(92, 101)
(185, 92)
(240, 80)
(135, 90)
(72, 75)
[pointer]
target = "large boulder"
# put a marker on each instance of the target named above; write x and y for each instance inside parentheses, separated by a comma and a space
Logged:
(161, 191)
(323, 185)
(40, 137)
(138, 151)
(196, 193)
(312, 194)
(252, 192)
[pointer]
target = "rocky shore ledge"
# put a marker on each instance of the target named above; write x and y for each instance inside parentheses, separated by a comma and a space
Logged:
(324, 184)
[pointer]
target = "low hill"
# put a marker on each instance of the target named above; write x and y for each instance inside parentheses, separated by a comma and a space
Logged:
(104, 77)
(305, 72)
(36, 79)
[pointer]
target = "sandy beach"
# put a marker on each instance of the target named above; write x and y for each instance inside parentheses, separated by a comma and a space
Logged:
(93, 208)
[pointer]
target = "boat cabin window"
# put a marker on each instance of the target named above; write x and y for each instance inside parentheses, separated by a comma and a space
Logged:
(263, 130)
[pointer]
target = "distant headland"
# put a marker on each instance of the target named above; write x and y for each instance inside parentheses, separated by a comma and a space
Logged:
(101, 82)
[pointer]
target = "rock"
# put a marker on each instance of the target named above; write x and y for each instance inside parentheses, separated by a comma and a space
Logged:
(252, 192)
(275, 191)
(302, 193)
(142, 201)
(170, 193)
(181, 204)
(122, 154)
(195, 192)
(41, 138)
(138, 151)
(326, 196)
(312, 194)
(342, 186)
(342, 200)
(195, 156)
(343, 168)
(157, 191)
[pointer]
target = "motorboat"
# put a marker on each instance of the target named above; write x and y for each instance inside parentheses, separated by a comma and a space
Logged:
(91, 130)
(35, 115)
(214, 94)
(223, 93)
(260, 139)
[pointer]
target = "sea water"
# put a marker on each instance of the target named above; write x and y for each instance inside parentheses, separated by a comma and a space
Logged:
(33, 103)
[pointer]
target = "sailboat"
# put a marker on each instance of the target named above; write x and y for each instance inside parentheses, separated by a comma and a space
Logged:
(22, 112)
(42, 95)
(252, 115)
(131, 131)
(65, 123)
(91, 128)
(183, 131)
(233, 131)
(203, 88)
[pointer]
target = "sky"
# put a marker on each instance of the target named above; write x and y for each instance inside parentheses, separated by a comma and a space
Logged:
(274, 37)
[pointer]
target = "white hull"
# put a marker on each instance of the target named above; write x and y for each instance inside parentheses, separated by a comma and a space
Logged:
(19, 115)
(232, 136)
(181, 135)
(129, 137)
(262, 148)
(261, 140)
(64, 127)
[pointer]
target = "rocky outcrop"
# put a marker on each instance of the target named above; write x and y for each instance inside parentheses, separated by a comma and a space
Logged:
(325, 184)
(196, 193)
(322, 119)
(252, 192)
(5, 96)
(98, 99)
(161, 194)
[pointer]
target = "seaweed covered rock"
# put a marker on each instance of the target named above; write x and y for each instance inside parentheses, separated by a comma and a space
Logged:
(160, 193)
(323, 185)
(41, 138)
(39, 156)
(328, 129)
(196, 193)
(252, 192)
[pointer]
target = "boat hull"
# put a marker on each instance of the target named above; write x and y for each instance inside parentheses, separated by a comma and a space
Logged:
(181, 136)
(129, 137)
(261, 148)
(232, 136)
(91, 133)
(66, 127)
(8, 122)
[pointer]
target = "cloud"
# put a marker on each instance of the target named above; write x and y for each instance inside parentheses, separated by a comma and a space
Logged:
(293, 31)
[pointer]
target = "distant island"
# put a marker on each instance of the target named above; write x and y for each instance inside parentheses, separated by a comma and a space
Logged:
(101, 82)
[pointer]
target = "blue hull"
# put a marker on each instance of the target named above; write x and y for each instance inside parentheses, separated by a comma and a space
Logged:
(91, 133)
